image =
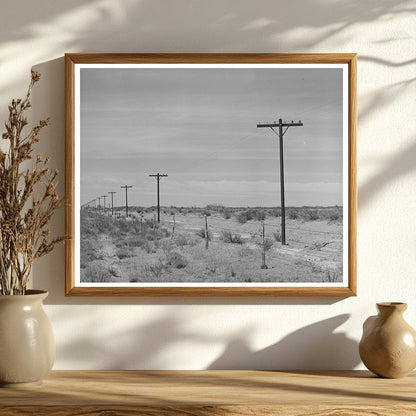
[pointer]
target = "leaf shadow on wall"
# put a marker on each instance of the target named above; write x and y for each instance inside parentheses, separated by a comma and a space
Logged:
(397, 166)
(51, 27)
(144, 346)
(315, 346)
(312, 347)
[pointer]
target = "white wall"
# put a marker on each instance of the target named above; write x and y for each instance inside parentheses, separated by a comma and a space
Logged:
(199, 333)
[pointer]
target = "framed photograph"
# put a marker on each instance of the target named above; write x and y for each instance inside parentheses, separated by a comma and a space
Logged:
(211, 174)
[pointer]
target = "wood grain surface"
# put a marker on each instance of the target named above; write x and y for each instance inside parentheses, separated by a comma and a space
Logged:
(203, 393)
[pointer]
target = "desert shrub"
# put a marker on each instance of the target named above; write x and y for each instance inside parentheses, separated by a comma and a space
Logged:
(201, 233)
(166, 246)
(122, 225)
(313, 215)
(123, 253)
(251, 214)
(231, 272)
(120, 243)
(163, 232)
(309, 214)
(264, 245)
(139, 227)
(293, 214)
(330, 214)
(215, 207)
(332, 274)
(275, 212)
(134, 241)
(147, 223)
(113, 271)
(182, 240)
(177, 260)
(95, 273)
(243, 217)
(227, 214)
(90, 251)
(245, 251)
(149, 247)
(86, 226)
(211, 266)
(267, 244)
(277, 236)
(154, 271)
(334, 214)
(229, 237)
(103, 224)
(94, 223)
(260, 215)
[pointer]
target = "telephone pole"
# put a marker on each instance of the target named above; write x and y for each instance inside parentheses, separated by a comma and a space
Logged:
(127, 206)
(99, 203)
(158, 176)
(104, 196)
(281, 133)
(112, 204)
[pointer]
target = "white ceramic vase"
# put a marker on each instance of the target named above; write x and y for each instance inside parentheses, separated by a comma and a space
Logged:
(27, 347)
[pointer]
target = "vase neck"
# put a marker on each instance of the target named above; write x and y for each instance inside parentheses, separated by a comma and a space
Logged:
(390, 308)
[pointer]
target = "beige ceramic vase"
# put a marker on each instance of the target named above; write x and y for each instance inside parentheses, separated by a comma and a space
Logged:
(27, 347)
(388, 344)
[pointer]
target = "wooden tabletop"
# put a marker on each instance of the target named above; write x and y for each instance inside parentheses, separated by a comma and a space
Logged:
(202, 393)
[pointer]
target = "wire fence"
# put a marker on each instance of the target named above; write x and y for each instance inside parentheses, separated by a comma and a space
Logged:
(221, 229)
(230, 230)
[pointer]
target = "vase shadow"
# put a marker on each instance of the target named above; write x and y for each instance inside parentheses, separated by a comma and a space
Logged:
(314, 347)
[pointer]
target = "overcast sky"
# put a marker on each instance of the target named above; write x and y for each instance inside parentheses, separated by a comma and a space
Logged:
(199, 127)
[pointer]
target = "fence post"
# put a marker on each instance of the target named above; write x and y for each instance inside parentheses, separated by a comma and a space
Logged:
(206, 232)
(263, 247)
(173, 227)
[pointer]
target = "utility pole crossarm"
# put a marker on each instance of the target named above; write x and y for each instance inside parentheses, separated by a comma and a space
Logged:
(159, 175)
(283, 124)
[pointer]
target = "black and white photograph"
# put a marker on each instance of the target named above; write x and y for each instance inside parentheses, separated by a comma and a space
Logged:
(211, 175)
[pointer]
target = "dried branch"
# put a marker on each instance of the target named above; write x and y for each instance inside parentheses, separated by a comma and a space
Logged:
(23, 218)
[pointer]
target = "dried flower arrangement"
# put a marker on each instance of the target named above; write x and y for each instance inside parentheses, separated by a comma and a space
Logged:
(28, 199)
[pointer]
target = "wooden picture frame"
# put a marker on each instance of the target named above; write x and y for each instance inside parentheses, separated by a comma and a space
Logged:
(125, 95)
